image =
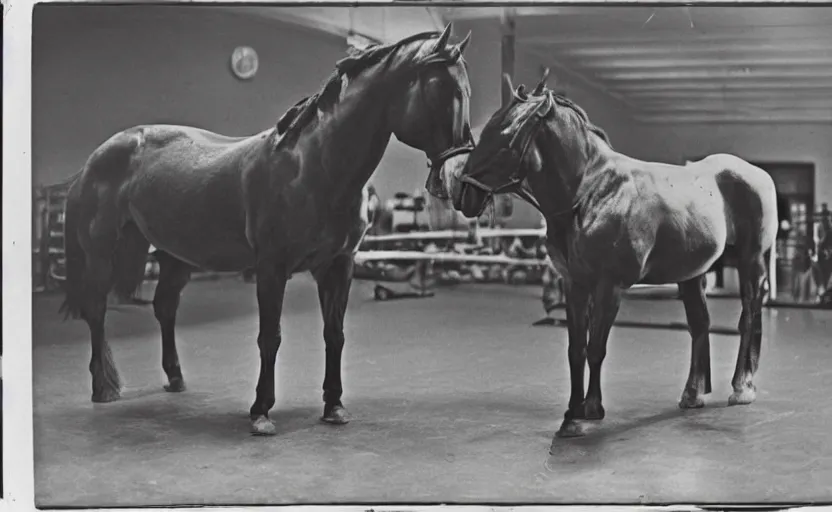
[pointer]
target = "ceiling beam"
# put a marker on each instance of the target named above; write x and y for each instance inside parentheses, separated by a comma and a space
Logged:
(680, 37)
(719, 119)
(563, 70)
(786, 93)
(692, 49)
(711, 74)
(383, 23)
(751, 108)
(816, 105)
(292, 16)
(744, 105)
(731, 85)
(475, 13)
(801, 60)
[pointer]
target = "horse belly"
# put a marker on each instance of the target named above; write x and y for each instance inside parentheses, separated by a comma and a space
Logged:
(668, 272)
(200, 246)
(211, 238)
(680, 255)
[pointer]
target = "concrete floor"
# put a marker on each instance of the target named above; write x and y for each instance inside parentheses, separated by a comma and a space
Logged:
(454, 399)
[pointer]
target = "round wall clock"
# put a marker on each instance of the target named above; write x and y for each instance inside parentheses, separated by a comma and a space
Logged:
(244, 62)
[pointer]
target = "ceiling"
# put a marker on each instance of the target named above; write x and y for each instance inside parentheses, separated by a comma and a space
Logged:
(697, 64)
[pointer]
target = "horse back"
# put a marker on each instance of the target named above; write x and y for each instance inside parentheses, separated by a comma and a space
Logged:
(182, 187)
(180, 149)
(669, 223)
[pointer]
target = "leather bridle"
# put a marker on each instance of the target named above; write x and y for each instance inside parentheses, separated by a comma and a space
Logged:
(512, 157)
(462, 139)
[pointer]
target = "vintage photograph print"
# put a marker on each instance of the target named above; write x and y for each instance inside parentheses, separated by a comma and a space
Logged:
(431, 253)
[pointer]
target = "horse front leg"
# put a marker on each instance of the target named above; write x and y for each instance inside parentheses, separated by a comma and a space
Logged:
(752, 280)
(333, 292)
(699, 323)
(605, 305)
(271, 288)
(577, 300)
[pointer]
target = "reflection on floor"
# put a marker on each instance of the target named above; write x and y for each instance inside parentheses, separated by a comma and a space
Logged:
(454, 399)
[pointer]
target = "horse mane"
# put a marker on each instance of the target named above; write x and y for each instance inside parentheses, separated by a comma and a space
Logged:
(563, 101)
(289, 117)
(598, 185)
(358, 60)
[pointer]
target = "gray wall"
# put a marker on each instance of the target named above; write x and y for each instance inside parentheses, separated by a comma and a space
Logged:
(98, 69)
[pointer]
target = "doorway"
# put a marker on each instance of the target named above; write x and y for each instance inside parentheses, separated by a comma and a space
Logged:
(795, 184)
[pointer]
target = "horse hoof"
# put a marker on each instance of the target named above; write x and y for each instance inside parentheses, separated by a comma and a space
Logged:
(593, 411)
(744, 396)
(107, 396)
(177, 385)
(263, 426)
(336, 416)
(570, 429)
(691, 401)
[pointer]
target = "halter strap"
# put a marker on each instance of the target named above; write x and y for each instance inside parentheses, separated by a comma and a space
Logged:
(463, 142)
(538, 116)
(516, 157)
(438, 160)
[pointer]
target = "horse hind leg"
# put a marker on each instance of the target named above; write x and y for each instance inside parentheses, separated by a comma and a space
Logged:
(699, 322)
(106, 383)
(98, 280)
(115, 262)
(174, 274)
(752, 283)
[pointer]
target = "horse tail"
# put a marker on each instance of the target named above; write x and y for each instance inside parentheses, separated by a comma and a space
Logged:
(73, 254)
(119, 249)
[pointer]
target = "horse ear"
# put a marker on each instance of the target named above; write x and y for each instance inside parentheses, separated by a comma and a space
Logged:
(542, 83)
(521, 92)
(443, 39)
(464, 43)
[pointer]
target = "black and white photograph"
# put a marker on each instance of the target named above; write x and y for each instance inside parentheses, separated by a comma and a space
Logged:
(415, 254)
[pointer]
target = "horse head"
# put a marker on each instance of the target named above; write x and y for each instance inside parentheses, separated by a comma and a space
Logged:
(433, 114)
(518, 144)
(505, 154)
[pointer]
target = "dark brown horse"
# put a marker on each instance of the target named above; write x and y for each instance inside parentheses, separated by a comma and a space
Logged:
(614, 221)
(284, 201)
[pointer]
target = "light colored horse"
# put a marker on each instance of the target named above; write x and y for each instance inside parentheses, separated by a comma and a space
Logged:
(614, 221)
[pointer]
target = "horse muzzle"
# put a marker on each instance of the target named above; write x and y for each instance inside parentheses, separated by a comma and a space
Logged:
(444, 169)
(470, 199)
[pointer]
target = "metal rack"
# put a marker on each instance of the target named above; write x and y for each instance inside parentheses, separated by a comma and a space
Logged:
(48, 256)
(49, 262)
(805, 256)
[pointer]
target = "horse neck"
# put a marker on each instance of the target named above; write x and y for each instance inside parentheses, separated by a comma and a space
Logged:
(349, 140)
(569, 161)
